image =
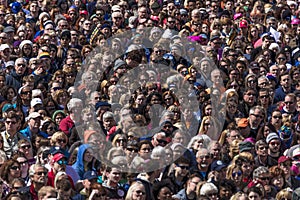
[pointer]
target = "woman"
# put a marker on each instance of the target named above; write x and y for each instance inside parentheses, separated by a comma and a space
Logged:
(138, 105)
(26, 49)
(59, 76)
(205, 71)
(162, 190)
(49, 127)
(61, 97)
(59, 139)
(98, 192)
(169, 99)
(85, 160)
(21, 158)
(120, 140)
(277, 178)
(10, 170)
(197, 142)
(136, 191)
(25, 147)
(58, 116)
(235, 173)
(9, 93)
(253, 34)
(251, 81)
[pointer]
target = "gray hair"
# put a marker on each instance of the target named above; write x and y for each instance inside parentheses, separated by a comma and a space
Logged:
(33, 168)
(208, 188)
(206, 140)
(158, 151)
(72, 103)
(260, 170)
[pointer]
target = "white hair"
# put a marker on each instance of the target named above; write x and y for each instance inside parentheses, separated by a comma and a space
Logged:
(208, 188)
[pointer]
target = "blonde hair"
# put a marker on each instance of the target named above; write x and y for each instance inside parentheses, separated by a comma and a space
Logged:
(57, 135)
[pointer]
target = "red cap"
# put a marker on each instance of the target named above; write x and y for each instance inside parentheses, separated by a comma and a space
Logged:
(243, 24)
(57, 157)
(83, 12)
(282, 159)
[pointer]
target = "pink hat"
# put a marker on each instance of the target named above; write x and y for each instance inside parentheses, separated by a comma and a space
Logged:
(237, 16)
(295, 21)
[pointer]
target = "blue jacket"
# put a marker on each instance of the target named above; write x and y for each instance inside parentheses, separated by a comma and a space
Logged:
(79, 164)
(27, 133)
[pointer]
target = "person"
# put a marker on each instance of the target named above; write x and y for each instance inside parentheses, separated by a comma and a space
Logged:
(10, 135)
(47, 192)
(33, 128)
(191, 188)
(115, 191)
(38, 176)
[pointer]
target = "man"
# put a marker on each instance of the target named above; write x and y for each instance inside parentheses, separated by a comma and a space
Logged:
(144, 149)
(191, 188)
(249, 100)
(118, 20)
(95, 97)
(38, 175)
(233, 134)
(262, 158)
(40, 72)
(11, 136)
(179, 176)
(255, 119)
(159, 139)
(65, 38)
(5, 53)
(216, 78)
(267, 39)
(203, 158)
(115, 191)
(15, 78)
(274, 145)
(120, 68)
(290, 102)
(33, 128)
(25, 94)
(74, 108)
(262, 175)
(58, 163)
(284, 88)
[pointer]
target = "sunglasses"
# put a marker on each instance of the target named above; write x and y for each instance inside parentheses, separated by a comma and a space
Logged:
(41, 173)
(62, 162)
(183, 167)
(132, 150)
(61, 140)
(239, 173)
(15, 168)
(25, 147)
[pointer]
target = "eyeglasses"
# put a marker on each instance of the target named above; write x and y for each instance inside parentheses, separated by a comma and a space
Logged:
(250, 94)
(275, 143)
(146, 149)
(61, 140)
(262, 148)
(183, 167)
(21, 65)
(277, 117)
(139, 192)
(25, 147)
(41, 173)
(121, 140)
(62, 162)
(257, 116)
(234, 174)
(288, 102)
(264, 97)
(206, 157)
(15, 167)
(10, 122)
(132, 150)
(23, 163)
(161, 141)
(264, 178)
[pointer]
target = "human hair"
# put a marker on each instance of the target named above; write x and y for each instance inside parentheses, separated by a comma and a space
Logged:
(115, 150)
(284, 194)
(33, 168)
(58, 135)
(208, 188)
(206, 141)
(260, 170)
(256, 190)
(4, 170)
(132, 189)
(72, 103)
(45, 190)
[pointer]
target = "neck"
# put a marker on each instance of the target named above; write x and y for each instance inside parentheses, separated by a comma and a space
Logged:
(272, 154)
(37, 186)
(112, 184)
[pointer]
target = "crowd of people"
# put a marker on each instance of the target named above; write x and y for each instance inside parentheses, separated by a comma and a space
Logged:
(148, 100)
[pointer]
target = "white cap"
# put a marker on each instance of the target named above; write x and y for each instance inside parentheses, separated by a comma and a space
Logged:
(4, 46)
(35, 101)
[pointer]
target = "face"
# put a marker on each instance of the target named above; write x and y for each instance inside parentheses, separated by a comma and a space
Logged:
(262, 150)
(145, 151)
(169, 100)
(164, 194)
(24, 165)
(290, 104)
(237, 175)
(285, 81)
(255, 118)
(20, 66)
(203, 158)
(247, 168)
(11, 125)
(15, 170)
(276, 119)
(278, 181)
(114, 176)
(60, 165)
(34, 123)
(274, 145)
(254, 196)
(139, 193)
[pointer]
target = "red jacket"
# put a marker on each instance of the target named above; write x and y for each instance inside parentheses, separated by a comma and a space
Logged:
(66, 124)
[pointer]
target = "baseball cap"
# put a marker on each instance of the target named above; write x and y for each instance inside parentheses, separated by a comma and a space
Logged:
(119, 63)
(245, 146)
(4, 46)
(243, 24)
(283, 159)
(58, 157)
(295, 21)
(296, 152)
(218, 165)
(35, 101)
(33, 115)
(89, 175)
